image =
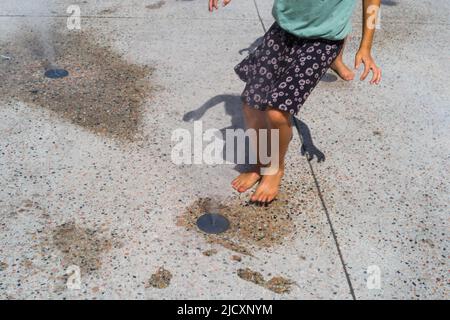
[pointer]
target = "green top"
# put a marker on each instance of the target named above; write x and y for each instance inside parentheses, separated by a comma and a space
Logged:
(326, 19)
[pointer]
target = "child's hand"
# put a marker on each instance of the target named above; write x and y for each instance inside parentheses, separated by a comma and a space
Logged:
(214, 4)
(365, 57)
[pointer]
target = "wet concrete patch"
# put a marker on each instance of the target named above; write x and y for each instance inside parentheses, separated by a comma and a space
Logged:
(276, 284)
(209, 253)
(27, 208)
(3, 266)
(251, 226)
(103, 93)
(252, 276)
(80, 246)
(108, 11)
(157, 5)
(279, 285)
(160, 279)
(237, 258)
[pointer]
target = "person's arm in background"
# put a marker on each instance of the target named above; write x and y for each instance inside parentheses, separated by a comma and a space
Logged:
(214, 4)
(370, 16)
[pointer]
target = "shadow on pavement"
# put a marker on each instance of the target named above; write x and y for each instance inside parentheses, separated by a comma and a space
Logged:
(233, 108)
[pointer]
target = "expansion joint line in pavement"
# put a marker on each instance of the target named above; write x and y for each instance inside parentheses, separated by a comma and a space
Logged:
(259, 16)
(327, 214)
(333, 232)
(94, 16)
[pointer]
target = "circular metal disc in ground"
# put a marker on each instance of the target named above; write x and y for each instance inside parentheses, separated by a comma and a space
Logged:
(56, 73)
(213, 223)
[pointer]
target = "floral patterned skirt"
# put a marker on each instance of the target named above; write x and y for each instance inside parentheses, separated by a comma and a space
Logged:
(284, 69)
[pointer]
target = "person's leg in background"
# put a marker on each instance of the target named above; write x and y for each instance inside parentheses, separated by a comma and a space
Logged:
(341, 68)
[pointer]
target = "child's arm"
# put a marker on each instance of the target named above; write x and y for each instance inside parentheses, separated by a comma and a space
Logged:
(214, 4)
(370, 15)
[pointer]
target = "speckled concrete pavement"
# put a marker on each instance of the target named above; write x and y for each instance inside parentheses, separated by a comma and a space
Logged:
(71, 196)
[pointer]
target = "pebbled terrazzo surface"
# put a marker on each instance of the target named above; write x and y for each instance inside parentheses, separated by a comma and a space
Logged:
(72, 195)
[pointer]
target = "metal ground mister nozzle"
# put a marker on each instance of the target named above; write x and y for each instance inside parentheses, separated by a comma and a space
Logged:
(56, 73)
(213, 223)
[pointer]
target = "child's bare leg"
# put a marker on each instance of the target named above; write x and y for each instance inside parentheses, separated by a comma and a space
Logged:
(341, 68)
(268, 187)
(254, 119)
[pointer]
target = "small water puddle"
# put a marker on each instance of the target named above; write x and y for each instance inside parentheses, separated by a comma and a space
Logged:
(79, 246)
(276, 284)
(160, 279)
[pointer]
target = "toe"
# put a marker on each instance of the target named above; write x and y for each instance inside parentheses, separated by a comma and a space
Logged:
(261, 198)
(254, 196)
(242, 186)
(264, 200)
(273, 196)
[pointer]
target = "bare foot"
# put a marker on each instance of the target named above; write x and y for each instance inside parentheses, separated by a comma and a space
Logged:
(268, 188)
(342, 70)
(245, 181)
